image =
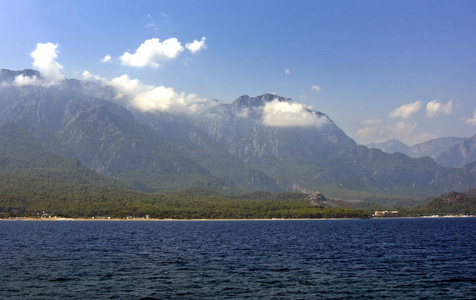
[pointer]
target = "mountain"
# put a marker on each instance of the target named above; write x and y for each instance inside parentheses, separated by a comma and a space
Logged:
(195, 144)
(267, 143)
(451, 203)
(323, 157)
(432, 148)
(22, 155)
(460, 154)
(391, 146)
(105, 137)
(435, 147)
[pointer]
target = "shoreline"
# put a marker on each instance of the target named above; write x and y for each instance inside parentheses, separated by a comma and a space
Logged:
(58, 219)
(162, 220)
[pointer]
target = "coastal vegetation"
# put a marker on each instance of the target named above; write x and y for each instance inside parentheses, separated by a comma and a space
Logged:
(26, 196)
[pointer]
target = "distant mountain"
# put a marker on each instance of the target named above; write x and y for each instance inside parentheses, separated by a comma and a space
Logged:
(391, 146)
(435, 147)
(432, 148)
(9, 76)
(460, 154)
(267, 143)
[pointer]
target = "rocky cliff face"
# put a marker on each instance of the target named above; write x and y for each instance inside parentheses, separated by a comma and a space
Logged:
(460, 154)
(246, 136)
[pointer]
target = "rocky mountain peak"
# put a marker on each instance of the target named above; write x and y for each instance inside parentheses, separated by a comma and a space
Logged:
(9, 75)
(261, 100)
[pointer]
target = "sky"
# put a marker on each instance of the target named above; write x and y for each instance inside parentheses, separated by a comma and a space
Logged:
(379, 69)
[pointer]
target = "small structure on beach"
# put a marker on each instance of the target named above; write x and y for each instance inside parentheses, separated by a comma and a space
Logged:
(386, 213)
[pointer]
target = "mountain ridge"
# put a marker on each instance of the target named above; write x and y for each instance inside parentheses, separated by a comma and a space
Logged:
(257, 142)
(432, 148)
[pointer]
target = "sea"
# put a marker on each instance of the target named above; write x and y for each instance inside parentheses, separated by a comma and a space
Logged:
(421, 258)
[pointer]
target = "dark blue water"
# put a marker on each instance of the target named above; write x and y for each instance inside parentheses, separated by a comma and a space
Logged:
(395, 258)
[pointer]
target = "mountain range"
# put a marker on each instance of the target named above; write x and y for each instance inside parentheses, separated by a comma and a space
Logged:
(267, 143)
(453, 152)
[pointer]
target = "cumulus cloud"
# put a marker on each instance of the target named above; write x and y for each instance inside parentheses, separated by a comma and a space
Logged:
(316, 88)
(290, 114)
(196, 46)
(471, 121)
(106, 58)
(44, 57)
(434, 108)
(21, 80)
(151, 52)
(151, 98)
(243, 113)
(90, 77)
(166, 99)
(406, 111)
(126, 86)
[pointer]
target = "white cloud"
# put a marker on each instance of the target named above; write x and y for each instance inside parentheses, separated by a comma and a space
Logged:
(151, 52)
(434, 108)
(21, 80)
(406, 111)
(316, 88)
(150, 98)
(106, 58)
(470, 121)
(196, 46)
(243, 113)
(287, 71)
(127, 87)
(44, 57)
(290, 114)
(166, 99)
(90, 77)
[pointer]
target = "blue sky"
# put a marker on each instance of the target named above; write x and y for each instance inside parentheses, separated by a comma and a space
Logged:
(378, 69)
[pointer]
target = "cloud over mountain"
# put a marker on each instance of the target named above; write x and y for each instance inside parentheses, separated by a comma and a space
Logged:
(290, 114)
(21, 80)
(149, 98)
(44, 59)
